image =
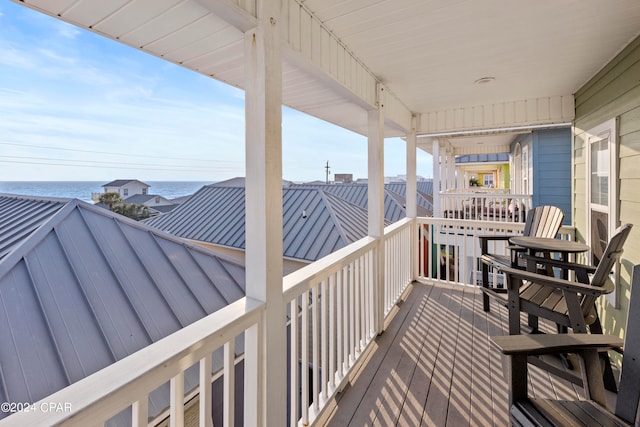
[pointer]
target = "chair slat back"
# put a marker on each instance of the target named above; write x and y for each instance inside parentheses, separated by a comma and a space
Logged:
(543, 221)
(612, 252)
(629, 391)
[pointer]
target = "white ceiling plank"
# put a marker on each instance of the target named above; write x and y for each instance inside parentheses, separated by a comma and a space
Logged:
(90, 13)
(132, 15)
(176, 18)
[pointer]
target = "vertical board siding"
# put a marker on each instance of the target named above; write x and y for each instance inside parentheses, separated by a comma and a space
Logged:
(613, 92)
(305, 34)
(552, 170)
(550, 109)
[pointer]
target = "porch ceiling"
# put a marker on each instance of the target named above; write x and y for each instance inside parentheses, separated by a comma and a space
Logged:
(426, 53)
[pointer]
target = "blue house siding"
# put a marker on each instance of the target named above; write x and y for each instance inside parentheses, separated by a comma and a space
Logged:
(551, 155)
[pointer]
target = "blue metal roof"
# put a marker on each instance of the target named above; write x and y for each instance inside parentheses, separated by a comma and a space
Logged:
(87, 287)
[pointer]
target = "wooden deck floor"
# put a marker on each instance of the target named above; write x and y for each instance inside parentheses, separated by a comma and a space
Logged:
(434, 366)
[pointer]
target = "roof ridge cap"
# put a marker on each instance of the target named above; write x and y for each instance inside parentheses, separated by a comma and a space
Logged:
(325, 197)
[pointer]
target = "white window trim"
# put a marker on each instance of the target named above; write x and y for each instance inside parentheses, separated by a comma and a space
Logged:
(610, 128)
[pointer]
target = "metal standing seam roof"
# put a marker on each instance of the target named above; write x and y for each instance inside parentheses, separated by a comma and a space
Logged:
(20, 216)
(358, 194)
(141, 198)
(87, 287)
(314, 223)
(400, 188)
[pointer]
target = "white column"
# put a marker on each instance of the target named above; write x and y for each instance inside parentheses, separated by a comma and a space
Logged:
(412, 191)
(376, 205)
(411, 195)
(451, 168)
(437, 212)
(265, 346)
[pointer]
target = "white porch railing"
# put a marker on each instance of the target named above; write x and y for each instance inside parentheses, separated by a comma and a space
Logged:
(332, 307)
(449, 250)
(484, 206)
(334, 300)
(127, 384)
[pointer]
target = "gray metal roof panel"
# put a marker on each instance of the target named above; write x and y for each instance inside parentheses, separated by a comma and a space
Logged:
(351, 218)
(20, 216)
(88, 287)
(425, 186)
(140, 198)
(215, 214)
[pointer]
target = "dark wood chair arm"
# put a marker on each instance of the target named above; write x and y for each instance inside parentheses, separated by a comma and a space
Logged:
(521, 349)
(539, 344)
(562, 264)
(496, 237)
(565, 285)
(484, 241)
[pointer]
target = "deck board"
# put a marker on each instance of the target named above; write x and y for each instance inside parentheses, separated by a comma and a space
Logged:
(434, 366)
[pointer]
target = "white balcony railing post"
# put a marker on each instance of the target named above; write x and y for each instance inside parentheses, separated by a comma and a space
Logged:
(376, 202)
(265, 348)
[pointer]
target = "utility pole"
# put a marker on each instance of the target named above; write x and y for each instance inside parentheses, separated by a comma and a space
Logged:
(327, 169)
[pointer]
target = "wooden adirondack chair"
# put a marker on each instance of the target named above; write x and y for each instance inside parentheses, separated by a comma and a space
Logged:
(543, 221)
(564, 302)
(569, 304)
(528, 411)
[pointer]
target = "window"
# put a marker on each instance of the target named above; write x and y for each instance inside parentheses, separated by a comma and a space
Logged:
(125, 192)
(602, 192)
(488, 180)
(144, 190)
(600, 160)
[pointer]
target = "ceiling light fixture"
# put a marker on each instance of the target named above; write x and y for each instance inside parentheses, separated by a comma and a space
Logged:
(484, 80)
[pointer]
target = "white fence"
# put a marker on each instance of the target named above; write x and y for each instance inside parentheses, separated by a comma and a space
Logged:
(485, 206)
(449, 250)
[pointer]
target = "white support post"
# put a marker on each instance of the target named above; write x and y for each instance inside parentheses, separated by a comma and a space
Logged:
(412, 195)
(437, 211)
(451, 168)
(412, 187)
(376, 203)
(265, 344)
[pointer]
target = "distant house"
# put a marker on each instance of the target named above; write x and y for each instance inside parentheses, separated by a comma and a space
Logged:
(343, 178)
(82, 288)
(490, 170)
(126, 187)
(156, 204)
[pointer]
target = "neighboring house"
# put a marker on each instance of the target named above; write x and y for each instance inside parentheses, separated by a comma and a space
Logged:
(315, 222)
(156, 204)
(490, 170)
(541, 167)
(126, 187)
(606, 174)
(344, 178)
(82, 288)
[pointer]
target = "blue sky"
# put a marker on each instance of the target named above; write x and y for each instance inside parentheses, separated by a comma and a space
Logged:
(77, 106)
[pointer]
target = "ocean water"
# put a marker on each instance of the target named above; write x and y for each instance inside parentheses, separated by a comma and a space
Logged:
(82, 189)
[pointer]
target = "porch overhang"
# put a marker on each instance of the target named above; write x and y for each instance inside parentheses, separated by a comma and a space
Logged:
(428, 56)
